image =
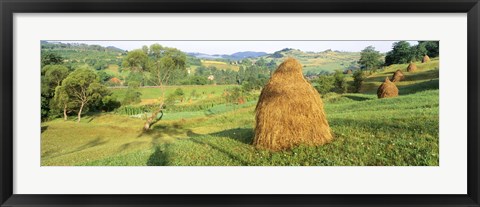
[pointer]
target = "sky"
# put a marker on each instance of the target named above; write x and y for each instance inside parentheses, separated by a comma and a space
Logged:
(229, 47)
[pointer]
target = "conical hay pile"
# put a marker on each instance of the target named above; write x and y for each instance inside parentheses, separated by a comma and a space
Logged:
(348, 72)
(397, 76)
(290, 111)
(411, 67)
(425, 59)
(387, 89)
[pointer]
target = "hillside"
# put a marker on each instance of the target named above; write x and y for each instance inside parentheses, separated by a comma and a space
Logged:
(401, 131)
(317, 62)
(75, 55)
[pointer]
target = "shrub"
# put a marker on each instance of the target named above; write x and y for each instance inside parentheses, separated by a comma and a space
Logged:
(358, 78)
(341, 85)
(110, 103)
(132, 95)
(324, 84)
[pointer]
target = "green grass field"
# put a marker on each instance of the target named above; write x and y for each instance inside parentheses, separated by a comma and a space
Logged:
(401, 131)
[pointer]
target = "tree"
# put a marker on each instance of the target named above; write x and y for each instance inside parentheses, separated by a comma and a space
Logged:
(50, 58)
(324, 84)
(52, 76)
(82, 87)
(432, 47)
(163, 63)
(132, 95)
(401, 53)
(340, 82)
(370, 58)
(136, 61)
(62, 101)
(104, 77)
(358, 78)
(419, 51)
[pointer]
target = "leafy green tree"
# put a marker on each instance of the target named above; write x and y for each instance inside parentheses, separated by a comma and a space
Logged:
(164, 63)
(358, 78)
(370, 58)
(104, 77)
(324, 84)
(54, 74)
(83, 88)
(52, 77)
(419, 51)
(50, 58)
(432, 47)
(132, 95)
(137, 62)
(62, 101)
(110, 102)
(401, 53)
(341, 85)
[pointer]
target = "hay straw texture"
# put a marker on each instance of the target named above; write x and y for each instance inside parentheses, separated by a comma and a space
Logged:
(387, 89)
(397, 76)
(411, 67)
(290, 111)
(425, 59)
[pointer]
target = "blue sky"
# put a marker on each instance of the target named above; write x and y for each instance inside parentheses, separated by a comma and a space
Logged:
(229, 47)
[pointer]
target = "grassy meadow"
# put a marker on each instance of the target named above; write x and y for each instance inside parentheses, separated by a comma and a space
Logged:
(400, 131)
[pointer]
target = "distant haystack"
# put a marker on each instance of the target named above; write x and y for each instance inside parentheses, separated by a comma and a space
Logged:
(347, 71)
(290, 111)
(387, 89)
(115, 81)
(425, 59)
(397, 76)
(411, 67)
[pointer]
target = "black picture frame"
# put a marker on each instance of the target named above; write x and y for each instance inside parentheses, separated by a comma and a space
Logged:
(9, 7)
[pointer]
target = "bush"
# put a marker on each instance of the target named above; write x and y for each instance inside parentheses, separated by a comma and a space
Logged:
(234, 95)
(177, 95)
(358, 78)
(341, 85)
(110, 103)
(132, 95)
(324, 84)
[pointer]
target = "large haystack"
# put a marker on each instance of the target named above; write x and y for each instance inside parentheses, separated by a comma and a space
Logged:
(425, 59)
(387, 89)
(397, 76)
(290, 111)
(411, 67)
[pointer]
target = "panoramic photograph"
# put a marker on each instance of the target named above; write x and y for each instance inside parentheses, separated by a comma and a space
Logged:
(239, 103)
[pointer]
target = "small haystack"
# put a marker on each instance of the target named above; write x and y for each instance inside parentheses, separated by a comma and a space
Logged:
(411, 67)
(347, 71)
(115, 81)
(290, 111)
(397, 76)
(387, 89)
(425, 59)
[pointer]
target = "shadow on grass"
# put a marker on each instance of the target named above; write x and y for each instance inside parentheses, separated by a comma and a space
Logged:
(422, 75)
(164, 130)
(243, 135)
(93, 115)
(357, 98)
(159, 157)
(93, 143)
(43, 128)
(227, 152)
(418, 87)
